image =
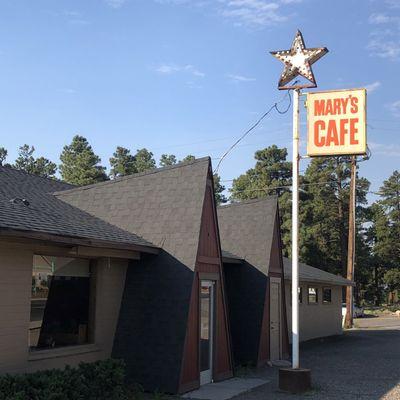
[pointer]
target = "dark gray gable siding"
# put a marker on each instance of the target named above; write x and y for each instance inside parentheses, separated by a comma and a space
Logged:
(165, 207)
(48, 214)
(246, 230)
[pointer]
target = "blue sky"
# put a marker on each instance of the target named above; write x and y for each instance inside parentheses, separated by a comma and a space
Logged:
(187, 76)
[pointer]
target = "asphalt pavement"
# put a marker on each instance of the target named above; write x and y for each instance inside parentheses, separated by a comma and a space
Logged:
(363, 363)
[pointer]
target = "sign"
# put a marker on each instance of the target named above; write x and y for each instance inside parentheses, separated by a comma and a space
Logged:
(336, 122)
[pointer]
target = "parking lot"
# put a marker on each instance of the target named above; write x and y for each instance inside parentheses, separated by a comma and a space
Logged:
(363, 363)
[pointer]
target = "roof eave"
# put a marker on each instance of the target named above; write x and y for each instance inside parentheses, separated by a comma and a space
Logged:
(72, 240)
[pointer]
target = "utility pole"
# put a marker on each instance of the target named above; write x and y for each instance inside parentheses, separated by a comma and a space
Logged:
(348, 323)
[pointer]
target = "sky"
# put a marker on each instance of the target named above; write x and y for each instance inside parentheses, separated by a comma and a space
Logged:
(188, 76)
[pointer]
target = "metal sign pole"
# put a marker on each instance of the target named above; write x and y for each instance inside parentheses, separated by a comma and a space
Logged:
(295, 231)
(298, 61)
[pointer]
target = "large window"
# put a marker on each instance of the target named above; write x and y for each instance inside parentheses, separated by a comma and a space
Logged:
(312, 295)
(326, 295)
(59, 302)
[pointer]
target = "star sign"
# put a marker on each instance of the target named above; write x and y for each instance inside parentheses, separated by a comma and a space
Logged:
(298, 61)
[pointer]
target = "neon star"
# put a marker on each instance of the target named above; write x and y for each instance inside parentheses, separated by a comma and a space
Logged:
(298, 61)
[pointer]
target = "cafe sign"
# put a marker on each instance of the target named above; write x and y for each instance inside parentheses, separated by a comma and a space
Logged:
(336, 122)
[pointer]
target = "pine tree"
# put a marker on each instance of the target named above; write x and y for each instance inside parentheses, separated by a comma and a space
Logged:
(167, 159)
(188, 158)
(220, 198)
(122, 163)
(3, 155)
(37, 166)
(324, 212)
(144, 160)
(79, 164)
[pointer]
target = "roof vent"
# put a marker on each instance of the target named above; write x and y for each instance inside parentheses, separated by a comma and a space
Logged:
(18, 200)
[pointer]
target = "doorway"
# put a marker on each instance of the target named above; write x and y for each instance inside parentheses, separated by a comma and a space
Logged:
(207, 301)
(275, 319)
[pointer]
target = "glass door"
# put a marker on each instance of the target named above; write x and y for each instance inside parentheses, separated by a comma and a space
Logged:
(206, 330)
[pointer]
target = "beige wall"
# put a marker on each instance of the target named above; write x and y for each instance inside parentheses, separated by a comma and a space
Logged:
(15, 294)
(316, 320)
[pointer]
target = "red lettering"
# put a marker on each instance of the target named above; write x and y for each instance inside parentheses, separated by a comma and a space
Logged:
(354, 105)
(353, 130)
(336, 106)
(343, 130)
(344, 104)
(319, 141)
(319, 106)
(332, 134)
(329, 108)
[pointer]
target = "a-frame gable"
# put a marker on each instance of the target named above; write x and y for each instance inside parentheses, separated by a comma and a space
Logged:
(208, 266)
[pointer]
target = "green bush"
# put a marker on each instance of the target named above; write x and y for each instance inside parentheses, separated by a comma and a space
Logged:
(102, 380)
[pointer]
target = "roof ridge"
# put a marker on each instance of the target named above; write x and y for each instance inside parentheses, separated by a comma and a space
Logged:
(251, 201)
(45, 178)
(136, 175)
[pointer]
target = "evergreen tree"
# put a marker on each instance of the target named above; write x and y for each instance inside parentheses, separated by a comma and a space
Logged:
(220, 198)
(390, 201)
(144, 160)
(189, 157)
(325, 212)
(37, 166)
(3, 155)
(122, 163)
(79, 164)
(167, 159)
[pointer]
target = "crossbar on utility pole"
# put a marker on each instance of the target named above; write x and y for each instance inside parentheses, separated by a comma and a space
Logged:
(351, 245)
(295, 231)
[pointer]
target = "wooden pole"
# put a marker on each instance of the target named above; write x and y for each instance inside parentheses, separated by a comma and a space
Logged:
(348, 323)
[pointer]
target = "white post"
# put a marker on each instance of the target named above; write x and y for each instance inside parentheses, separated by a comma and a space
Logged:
(295, 231)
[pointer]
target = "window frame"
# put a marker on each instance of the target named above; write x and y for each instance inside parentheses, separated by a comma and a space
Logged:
(316, 295)
(88, 346)
(330, 297)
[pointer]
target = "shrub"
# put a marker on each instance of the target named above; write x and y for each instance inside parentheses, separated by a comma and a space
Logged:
(102, 380)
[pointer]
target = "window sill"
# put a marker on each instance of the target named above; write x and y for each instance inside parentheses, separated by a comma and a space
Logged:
(62, 352)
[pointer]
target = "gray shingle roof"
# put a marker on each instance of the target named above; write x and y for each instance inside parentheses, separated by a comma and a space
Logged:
(163, 205)
(247, 228)
(48, 214)
(311, 274)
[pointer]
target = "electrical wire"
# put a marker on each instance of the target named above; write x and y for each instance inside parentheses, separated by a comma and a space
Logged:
(273, 107)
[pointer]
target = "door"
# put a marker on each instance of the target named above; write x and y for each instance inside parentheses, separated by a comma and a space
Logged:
(207, 294)
(275, 319)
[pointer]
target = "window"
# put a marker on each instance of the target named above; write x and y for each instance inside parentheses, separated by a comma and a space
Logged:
(326, 295)
(312, 295)
(59, 302)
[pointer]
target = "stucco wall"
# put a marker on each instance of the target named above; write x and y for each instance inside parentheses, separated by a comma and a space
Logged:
(316, 320)
(15, 293)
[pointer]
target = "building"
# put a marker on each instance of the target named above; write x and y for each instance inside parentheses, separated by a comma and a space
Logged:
(258, 281)
(254, 275)
(320, 301)
(129, 268)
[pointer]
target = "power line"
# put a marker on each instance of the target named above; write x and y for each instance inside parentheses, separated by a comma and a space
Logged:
(283, 187)
(274, 106)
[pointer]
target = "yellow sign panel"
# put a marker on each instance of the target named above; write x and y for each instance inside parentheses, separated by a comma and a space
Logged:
(336, 122)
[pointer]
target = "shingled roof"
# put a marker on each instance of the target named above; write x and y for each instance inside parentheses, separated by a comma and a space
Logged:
(42, 212)
(163, 205)
(247, 228)
(311, 274)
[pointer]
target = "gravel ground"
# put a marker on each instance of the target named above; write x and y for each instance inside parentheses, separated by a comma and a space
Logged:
(361, 364)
